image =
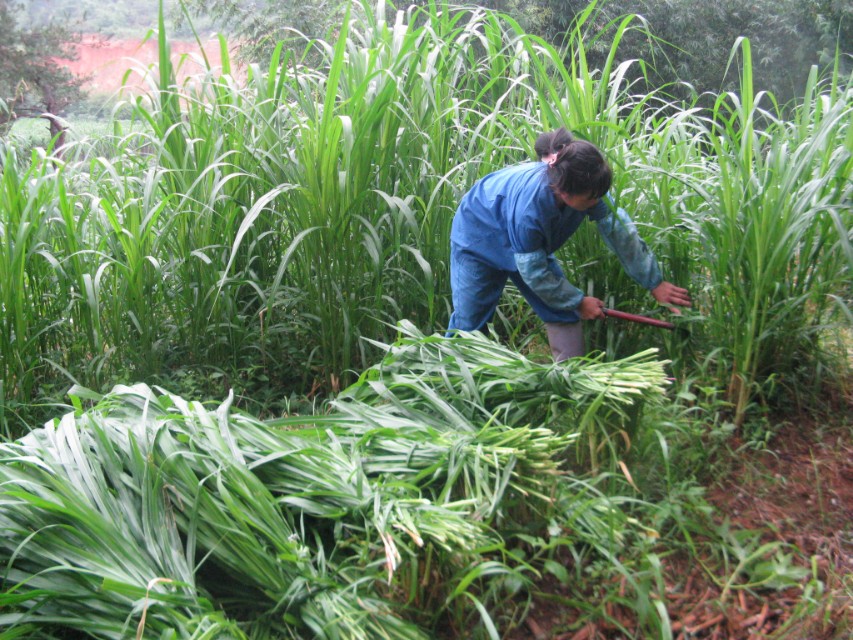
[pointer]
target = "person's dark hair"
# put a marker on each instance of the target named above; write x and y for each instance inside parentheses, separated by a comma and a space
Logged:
(580, 169)
(551, 142)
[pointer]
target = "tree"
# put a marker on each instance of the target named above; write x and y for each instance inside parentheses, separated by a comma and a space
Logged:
(689, 41)
(121, 19)
(33, 81)
(261, 24)
(686, 43)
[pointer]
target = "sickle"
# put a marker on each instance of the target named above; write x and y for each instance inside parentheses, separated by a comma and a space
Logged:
(632, 317)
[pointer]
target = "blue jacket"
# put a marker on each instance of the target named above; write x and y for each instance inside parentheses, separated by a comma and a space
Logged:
(512, 221)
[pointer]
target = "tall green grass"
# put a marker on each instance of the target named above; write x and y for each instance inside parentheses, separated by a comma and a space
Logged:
(772, 248)
(262, 226)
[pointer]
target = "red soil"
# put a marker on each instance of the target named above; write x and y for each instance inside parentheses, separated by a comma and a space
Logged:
(111, 63)
(798, 492)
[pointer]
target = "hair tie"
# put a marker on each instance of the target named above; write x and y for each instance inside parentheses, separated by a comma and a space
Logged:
(558, 154)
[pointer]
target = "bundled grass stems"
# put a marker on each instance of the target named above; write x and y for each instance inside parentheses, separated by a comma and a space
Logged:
(88, 533)
(587, 398)
(150, 511)
(147, 501)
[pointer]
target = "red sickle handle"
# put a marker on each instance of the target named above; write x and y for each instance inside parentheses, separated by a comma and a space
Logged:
(632, 317)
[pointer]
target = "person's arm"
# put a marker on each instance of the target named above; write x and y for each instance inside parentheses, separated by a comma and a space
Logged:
(553, 289)
(620, 235)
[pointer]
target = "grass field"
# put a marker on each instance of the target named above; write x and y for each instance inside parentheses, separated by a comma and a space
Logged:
(230, 411)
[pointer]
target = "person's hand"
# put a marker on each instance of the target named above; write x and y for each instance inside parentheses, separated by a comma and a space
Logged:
(591, 308)
(668, 294)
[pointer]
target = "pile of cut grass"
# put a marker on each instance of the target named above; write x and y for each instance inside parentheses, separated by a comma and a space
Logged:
(394, 513)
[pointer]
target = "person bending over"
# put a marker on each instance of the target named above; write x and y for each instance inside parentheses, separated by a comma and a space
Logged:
(513, 220)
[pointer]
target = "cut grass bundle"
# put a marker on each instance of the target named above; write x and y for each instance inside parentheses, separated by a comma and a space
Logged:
(313, 525)
(147, 499)
(590, 399)
(445, 456)
(88, 530)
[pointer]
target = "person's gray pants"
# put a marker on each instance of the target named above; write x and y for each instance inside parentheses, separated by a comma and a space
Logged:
(565, 339)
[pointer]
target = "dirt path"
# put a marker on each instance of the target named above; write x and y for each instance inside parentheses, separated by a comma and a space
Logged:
(797, 495)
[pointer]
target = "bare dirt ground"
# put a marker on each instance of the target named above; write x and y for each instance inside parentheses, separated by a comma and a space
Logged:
(799, 492)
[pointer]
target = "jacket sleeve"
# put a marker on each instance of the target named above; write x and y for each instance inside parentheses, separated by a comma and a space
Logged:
(620, 235)
(553, 289)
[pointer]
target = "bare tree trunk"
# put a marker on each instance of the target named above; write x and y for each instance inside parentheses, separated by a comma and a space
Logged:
(58, 127)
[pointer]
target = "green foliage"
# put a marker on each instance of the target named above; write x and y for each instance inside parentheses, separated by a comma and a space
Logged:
(379, 518)
(686, 43)
(270, 228)
(261, 24)
(114, 19)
